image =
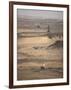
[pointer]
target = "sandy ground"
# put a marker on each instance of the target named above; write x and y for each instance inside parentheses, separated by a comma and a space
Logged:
(33, 53)
(32, 70)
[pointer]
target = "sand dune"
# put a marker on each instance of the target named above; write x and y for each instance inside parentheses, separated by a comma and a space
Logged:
(34, 52)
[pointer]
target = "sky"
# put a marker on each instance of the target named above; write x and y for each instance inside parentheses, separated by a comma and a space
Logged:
(38, 14)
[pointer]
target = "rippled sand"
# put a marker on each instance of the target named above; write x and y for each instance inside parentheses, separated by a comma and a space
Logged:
(32, 53)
